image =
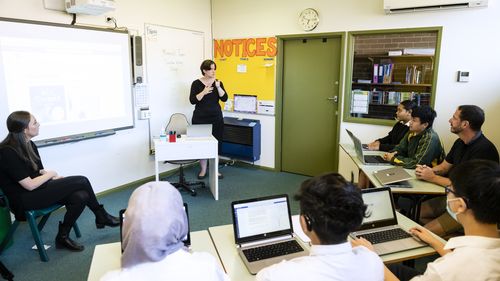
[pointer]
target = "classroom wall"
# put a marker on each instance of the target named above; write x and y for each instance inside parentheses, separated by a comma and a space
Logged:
(122, 158)
(469, 43)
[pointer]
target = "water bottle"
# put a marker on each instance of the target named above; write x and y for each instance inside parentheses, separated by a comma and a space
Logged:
(163, 135)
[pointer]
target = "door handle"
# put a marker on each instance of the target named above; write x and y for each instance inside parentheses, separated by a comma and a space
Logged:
(334, 98)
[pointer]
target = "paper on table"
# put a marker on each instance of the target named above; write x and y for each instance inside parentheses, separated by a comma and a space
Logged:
(297, 229)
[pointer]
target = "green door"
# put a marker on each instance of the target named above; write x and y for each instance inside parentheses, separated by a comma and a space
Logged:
(311, 73)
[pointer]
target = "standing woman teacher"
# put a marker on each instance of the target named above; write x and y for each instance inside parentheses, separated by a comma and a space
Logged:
(205, 95)
(28, 185)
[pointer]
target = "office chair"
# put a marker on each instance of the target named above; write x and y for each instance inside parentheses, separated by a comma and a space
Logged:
(31, 217)
(178, 123)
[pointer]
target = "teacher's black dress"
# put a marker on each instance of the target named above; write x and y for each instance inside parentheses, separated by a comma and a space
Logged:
(13, 169)
(207, 110)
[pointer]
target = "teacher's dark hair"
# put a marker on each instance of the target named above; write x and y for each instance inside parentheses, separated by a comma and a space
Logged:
(207, 65)
(333, 206)
(16, 139)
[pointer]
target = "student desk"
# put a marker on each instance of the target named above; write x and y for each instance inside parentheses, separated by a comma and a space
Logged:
(107, 256)
(223, 238)
(186, 148)
(420, 190)
(418, 186)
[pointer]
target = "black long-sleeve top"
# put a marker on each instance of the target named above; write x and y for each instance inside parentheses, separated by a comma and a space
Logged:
(393, 138)
(208, 106)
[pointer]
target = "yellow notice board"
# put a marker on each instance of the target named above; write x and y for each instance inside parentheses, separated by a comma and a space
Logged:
(247, 67)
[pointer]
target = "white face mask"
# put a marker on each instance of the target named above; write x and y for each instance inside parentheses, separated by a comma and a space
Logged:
(448, 209)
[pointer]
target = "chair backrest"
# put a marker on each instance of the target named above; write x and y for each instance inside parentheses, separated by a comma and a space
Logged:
(178, 122)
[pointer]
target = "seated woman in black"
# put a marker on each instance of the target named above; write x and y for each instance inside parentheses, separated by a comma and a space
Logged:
(29, 186)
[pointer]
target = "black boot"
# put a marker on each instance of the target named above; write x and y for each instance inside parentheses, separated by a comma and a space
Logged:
(102, 218)
(63, 240)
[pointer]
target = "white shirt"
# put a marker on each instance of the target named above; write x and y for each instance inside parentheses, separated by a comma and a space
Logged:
(473, 258)
(328, 262)
(180, 265)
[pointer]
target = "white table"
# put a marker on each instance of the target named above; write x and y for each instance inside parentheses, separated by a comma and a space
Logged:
(418, 186)
(223, 238)
(186, 148)
(107, 256)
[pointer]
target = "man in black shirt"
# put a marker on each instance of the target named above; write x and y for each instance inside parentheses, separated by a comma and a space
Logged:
(466, 122)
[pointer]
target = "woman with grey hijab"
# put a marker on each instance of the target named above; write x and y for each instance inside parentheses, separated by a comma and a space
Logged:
(152, 240)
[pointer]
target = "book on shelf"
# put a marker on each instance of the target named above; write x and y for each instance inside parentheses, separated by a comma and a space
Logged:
(375, 73)
(364, 81)
(419, 51)
(414, 74)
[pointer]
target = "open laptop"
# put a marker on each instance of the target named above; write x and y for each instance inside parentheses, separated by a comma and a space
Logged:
(262, 227)
(199, 130)
(392, 175)
(186, 239)
(381, 226)
(365, 159)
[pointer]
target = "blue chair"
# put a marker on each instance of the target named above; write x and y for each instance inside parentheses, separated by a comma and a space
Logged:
(31, 218)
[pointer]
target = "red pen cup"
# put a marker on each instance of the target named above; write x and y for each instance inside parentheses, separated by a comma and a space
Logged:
(171, 138)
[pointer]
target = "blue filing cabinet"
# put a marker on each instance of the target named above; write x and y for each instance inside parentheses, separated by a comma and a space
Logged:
(241, 139)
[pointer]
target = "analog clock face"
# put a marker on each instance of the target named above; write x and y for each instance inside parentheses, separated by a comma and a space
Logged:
(309, 19)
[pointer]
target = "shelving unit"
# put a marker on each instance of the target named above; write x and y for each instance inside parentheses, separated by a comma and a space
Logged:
(377, 82)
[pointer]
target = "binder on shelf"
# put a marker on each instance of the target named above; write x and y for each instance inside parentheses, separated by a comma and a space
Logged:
(375, 73)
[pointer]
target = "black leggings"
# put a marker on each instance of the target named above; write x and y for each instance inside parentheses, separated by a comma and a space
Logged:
(74, 192)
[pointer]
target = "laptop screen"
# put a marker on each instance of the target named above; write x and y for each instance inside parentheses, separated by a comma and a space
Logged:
(186, 239)
(380, 210)
(261, 218)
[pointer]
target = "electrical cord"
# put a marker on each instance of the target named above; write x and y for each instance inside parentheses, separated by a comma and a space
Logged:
(74, 19)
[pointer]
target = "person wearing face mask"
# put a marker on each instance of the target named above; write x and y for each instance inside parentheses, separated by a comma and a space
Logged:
(471, 144)
(472, 199)
(206, 92)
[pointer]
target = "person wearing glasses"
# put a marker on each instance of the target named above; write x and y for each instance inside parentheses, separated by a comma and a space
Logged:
(471, 144)
(472, 199)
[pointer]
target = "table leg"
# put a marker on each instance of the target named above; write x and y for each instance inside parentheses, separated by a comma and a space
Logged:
(213, 176)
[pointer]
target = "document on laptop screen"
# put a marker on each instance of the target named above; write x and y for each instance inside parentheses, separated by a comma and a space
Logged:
(379, 206)
(260, 217)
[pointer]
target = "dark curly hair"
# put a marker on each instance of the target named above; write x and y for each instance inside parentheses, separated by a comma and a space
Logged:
(334, 206)
(478, 182)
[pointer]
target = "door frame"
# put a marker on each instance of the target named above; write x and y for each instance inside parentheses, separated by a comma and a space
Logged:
(279, 92)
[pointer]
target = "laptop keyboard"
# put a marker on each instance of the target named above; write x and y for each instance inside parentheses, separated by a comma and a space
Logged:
(386, 235)
(273, 250)
(374, 159)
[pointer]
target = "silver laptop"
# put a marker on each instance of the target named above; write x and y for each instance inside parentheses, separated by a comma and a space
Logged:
(199, 130)
(392, 175)
(365, 159)
(263, 232)
(381, 226)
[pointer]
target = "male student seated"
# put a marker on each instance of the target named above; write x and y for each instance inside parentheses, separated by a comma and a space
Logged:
(330, 209)
(399, 130)
(466, 122)
(472, 199)
(421, 145)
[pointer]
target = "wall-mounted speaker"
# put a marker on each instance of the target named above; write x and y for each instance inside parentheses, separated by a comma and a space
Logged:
(137, 61)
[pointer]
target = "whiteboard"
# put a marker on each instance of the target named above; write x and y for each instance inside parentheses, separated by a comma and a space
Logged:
(173, 59)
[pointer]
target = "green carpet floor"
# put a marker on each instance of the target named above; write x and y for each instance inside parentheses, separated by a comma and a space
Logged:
(240, 182)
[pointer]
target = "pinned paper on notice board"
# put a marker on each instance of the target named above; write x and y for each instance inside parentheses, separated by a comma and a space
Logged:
(241, 68)
(265, 107)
